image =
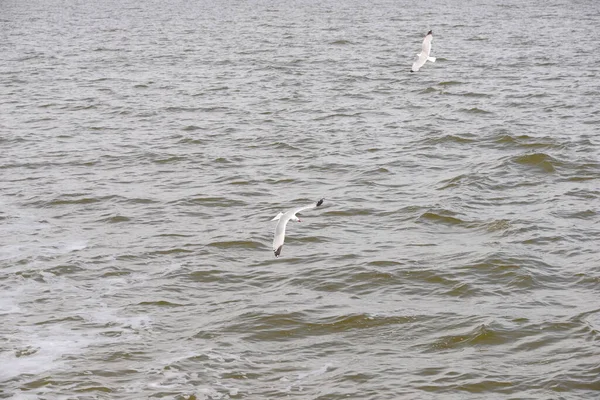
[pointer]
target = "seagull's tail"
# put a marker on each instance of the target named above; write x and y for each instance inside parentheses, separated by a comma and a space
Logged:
(432, 59)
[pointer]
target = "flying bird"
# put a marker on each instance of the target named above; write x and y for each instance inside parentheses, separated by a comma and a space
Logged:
(423, 56)
(283, 219)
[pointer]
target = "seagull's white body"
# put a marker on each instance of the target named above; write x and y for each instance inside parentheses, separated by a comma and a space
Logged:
(283, 219)
(423, 56)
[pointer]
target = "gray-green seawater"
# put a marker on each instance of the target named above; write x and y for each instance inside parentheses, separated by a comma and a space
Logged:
(145, 146)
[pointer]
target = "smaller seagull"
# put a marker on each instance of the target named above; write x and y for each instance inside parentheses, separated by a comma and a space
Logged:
(423, 56)
(283, 219)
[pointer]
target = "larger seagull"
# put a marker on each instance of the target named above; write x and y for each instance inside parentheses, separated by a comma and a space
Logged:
(423, 56)
(283, 219)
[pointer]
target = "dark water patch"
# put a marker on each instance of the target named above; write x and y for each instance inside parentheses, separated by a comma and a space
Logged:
(139, 201)
(337, 116)
(462, 289)
(522, 282)
(444, 217)
(341, 42)
(554, 331)
(486, 385)
(216, 88)
(183, 109)
(91, 387)
(376, 171)
(237, 244)
(474, 110)
(584, 194)
(27, 351)
(499, 225)
(449, 139)
(591, 122)
(527, 95)
(325, 280)
(133, 355)
(308, 239)
(585, 214)
(116, 272)
(222, 160)
(481, 336)
(193, 141)
(511, 273)
(210, 202)
(40, 383)
(385, 263)
(160, 303)
(434, 280)
(284, 146)
(191, 128)
(429, 90)
(350, 212)
(174, 251)
(239, 179)
(291, 326)
(544, 240)
(65, 270)
(79, 107)
(574, 382)
(169, 160)
(586, 279)
(281, 181)
(65, 199)
(239, 182)
(581, 170)
(51, 320)
(115, 219)
(207, 276)
(30, 274)
(581, 178)
(450, 83)
(32, 166)
(537, 161)
(527, 142)
(474, 95)
(477, 181)
(35, 120)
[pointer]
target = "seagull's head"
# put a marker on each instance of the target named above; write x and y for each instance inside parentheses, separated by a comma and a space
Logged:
(430, 33)
(295, 219)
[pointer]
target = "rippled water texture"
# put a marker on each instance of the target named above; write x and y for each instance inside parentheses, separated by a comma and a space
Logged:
(145, 146)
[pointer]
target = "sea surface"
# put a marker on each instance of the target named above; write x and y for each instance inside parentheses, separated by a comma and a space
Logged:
(145, 147)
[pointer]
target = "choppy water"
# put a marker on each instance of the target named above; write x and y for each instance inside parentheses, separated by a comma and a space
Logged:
(144, 147)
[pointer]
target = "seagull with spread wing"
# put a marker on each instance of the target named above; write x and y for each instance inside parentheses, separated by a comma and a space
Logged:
(283, 219)
(423, 56)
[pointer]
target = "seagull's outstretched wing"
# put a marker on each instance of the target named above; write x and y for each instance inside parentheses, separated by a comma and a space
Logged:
(423, 56)
(279, 236)
(300, 209)
(283, 220)
(419, 63)
(426, 47)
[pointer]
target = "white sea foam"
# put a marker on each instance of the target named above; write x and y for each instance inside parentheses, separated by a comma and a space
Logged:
(40, 349)
(315, 372)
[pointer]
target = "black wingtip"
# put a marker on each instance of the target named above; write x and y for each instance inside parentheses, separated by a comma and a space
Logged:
(320, 202)
(278, 251)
